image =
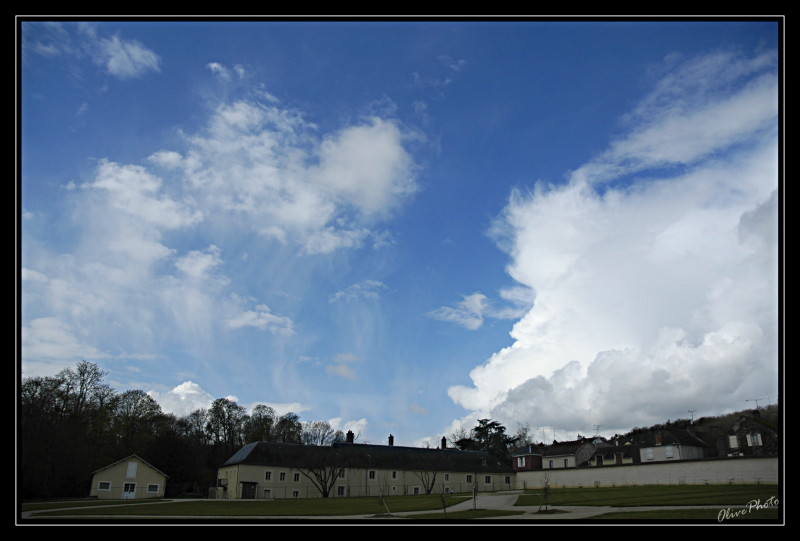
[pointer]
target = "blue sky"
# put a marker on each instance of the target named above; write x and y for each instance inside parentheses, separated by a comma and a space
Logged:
(405, 226)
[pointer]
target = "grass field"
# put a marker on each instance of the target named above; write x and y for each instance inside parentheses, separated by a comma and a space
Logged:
(274, 508)
(722, 497)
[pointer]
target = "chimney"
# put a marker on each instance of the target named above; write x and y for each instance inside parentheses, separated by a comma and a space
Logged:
(391, 440)
(350, 436)
(444, 442)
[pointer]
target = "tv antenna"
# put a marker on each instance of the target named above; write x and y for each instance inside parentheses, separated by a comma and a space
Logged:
(755, 400)
(596, 429)
(691, 412)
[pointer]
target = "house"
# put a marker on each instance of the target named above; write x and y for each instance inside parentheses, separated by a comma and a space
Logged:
(669, 444)
(567, 454)
(614, 455)
(528, 458)
(128, 479)
(749, 436)
(264, 470)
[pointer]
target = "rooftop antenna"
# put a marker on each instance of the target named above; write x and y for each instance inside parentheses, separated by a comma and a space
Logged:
(691, 412)
(755, 400)
(596, 429)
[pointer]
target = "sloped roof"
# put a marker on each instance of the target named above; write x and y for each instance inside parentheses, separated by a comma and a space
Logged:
(565, 447)
(355, 455)
(126, 459)
(529, 450)
(671, 436)
(627, 451)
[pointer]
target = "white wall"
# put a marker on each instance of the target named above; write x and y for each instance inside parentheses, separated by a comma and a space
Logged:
(692, 472)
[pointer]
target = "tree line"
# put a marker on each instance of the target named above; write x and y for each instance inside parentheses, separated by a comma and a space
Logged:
(73, 424)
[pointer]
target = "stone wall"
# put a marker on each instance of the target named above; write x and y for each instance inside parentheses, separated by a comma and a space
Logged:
(690, 472)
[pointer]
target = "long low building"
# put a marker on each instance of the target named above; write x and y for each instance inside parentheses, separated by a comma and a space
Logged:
(265, 470)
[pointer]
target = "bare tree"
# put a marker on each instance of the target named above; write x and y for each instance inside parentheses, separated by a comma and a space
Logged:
(545, 491)
(322, 466)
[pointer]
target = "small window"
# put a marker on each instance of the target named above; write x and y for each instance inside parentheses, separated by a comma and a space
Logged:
(447, 477)
(340, 491)
(566, 462)
(416, 491)
(668, 451)
(268, 476)
(152, 489)
(487, 479)
(550, 464)
(372, 474)
(297, 478)
(283, 476)
(754, 440)
(649, 453)
(521, 462)
(733, 442)
(508, 479)
(295, 494)
(394, 475)
(104, 485)
(341, 473)
(469, 478)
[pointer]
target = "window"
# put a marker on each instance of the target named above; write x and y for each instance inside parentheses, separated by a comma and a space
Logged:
(394, 475)
(283, 476)
(550, 464)
(104, 485)
(469, 478)
(295, 494)
(297, 478)
(372, 474)
(340, 491)
(268, 476)
(483, 462)
(152, 489)
(733, 442)
(668, 451)
(341, 473)
(648, 453)
(754, 439)
(487, 479)
(598, 460)
(447, 477)
(566, 462)
(521, 462)
(508, 479)
(416, 491)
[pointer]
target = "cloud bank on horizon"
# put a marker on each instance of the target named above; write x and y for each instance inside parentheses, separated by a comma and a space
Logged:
(654, 266)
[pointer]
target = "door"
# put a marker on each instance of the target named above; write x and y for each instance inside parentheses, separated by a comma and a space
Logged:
(128, 491)
(249, 491)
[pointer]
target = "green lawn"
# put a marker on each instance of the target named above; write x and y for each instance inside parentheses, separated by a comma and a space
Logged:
(243, 508)
(654, 495)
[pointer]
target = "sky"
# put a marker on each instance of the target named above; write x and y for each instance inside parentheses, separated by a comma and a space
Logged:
(406, 226)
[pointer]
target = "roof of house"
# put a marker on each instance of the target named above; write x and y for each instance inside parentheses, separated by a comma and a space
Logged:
(127, 459)
(627, 451)
(529, 450)
(367, 456)
(671, 436)
(561, 448)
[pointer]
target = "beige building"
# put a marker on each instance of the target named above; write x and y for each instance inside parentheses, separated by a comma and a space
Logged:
(128, 479)
(265, 470)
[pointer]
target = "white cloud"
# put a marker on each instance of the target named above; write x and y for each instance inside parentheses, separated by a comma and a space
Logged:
(48, 339)
(262, 318)
(653, 298)
(366, 289)
(471, 312)
(341, 370)
(126, 59)
(183, 399)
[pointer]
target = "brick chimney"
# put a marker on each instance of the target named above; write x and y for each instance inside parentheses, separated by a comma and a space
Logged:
(391, 440)
(444, 442)
(350, 436)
